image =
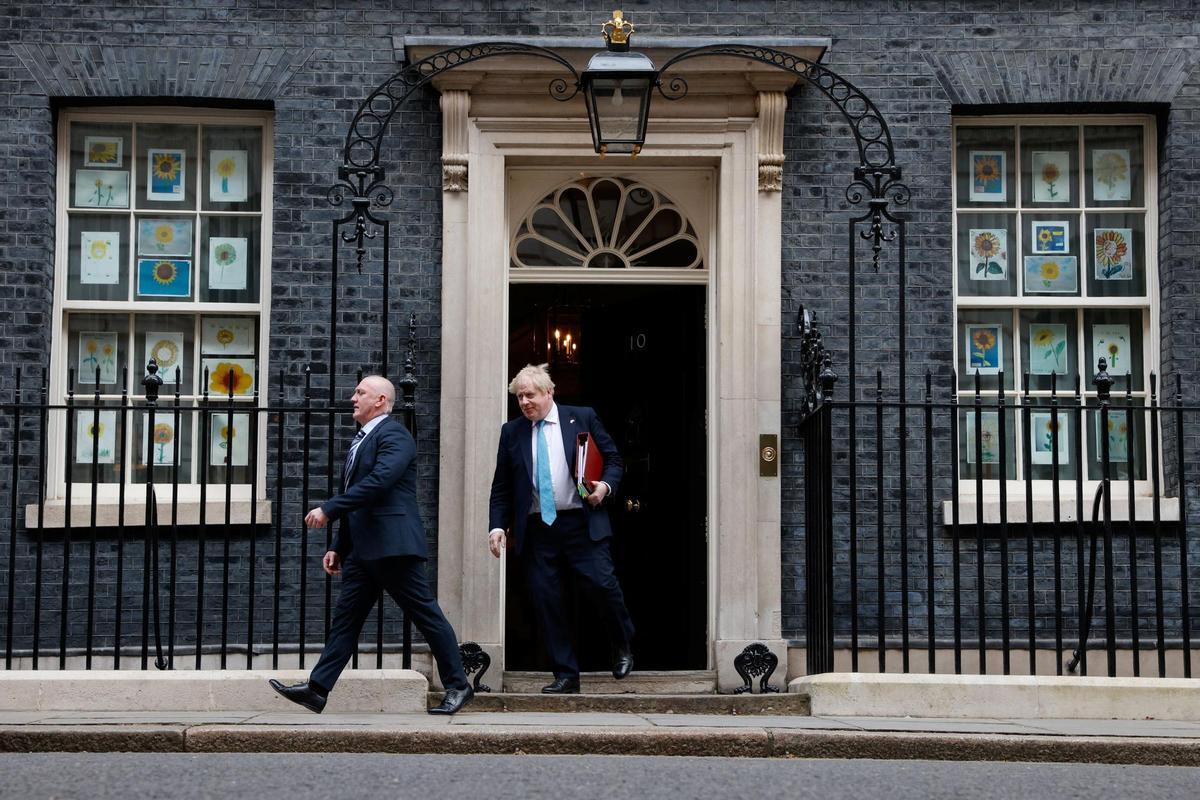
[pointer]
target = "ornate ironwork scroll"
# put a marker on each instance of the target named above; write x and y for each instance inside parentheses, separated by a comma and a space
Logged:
(757, 659)
(816, 365)
(475, 659)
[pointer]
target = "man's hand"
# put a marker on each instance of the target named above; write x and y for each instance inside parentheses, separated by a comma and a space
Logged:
(497, 541)
(332, 562)
(316, 519)
(599, 492)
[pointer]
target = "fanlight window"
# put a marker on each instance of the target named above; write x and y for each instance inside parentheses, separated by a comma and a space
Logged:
(606, 223)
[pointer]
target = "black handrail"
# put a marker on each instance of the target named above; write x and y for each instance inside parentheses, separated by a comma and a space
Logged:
(1085, 623)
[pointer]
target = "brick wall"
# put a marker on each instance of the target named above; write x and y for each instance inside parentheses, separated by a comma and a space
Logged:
(313, 65)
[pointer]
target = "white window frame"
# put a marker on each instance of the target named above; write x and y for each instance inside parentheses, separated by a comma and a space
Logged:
(60, 358)
(1148, 304)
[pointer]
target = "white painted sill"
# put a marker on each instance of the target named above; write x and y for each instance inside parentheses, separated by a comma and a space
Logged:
(187, 510)
(1043, 504)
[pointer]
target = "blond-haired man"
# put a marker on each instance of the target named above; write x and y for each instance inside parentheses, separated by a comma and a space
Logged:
(536, 508)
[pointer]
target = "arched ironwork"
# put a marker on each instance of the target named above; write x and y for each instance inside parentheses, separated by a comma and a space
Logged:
(876, 184)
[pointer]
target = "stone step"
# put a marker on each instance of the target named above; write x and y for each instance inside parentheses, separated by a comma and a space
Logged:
(739, 704)
(640, 682)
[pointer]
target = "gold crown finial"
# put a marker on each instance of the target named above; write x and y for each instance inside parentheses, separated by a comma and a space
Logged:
(617, 30)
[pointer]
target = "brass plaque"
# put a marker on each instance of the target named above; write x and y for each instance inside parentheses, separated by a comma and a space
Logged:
(768, 455)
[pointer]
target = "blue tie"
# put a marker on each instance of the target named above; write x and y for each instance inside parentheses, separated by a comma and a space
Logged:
(544, 483)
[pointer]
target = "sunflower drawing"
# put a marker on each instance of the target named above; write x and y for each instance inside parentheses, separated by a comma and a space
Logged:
(98, 250)
(230, 378)
(225, 169)
(164, 234)
(1052, 346)
(1111, 248)
(988, 249)
(165, 273)
(1114, 352)
(166, 166)
(225, 337)
(1048, 433)
(102, 153)
(163, 436)
(987, 169)
(1049, 271)
(1050, 175)
(984, 354)
(165, 353)
(1111, 169)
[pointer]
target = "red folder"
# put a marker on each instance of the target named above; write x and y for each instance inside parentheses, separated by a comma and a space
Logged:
(589, 464)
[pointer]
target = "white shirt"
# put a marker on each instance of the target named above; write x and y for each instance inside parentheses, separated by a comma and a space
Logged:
(565, 495)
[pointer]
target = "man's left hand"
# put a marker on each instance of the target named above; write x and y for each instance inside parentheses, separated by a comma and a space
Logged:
(599, 492)
(316, 519)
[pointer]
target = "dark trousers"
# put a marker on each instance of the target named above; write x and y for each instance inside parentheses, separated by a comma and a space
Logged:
(403, 577)
(567, 543)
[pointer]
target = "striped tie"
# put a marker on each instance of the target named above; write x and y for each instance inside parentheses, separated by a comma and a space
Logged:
(358, 437)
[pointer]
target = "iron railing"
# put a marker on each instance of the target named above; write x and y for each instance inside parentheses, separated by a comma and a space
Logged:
(167, 565)
(991, 544)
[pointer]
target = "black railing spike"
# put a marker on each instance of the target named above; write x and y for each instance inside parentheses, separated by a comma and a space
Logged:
(152, 381)
(1103, 381)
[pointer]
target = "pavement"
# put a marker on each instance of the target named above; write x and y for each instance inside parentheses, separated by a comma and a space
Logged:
(1147, 741)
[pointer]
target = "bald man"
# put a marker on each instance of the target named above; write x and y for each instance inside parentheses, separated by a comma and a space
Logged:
(379, 544)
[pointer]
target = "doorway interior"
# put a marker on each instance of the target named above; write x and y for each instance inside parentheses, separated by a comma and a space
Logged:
(637, 354)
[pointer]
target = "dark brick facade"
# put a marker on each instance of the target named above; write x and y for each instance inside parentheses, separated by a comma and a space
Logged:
(313, 63)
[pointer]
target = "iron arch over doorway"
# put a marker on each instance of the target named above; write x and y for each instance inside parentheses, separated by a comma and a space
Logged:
(874, 190)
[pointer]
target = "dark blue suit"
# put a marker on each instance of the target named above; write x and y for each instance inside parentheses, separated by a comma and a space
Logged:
(382, 547)
(578, 538)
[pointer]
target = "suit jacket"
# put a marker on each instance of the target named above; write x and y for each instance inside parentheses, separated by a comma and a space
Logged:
(377, 512)
(512, 484)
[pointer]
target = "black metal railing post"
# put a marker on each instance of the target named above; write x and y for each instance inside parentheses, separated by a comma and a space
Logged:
(1103, 382)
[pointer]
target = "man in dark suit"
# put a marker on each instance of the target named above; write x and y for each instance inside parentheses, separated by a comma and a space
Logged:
(534, 500)
(379, 544)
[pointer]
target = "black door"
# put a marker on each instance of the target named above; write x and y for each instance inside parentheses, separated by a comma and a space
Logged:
(636, 355)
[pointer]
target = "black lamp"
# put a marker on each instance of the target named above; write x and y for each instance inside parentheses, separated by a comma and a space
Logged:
(616, 88)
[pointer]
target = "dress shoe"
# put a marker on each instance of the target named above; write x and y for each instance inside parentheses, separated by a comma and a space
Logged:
(623, 665)
(453, 700)
(302, 694)
(562, 686)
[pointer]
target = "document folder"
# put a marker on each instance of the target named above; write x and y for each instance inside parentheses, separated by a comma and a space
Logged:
(589, 464)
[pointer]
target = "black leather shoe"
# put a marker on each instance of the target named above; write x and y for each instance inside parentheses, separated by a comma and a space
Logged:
(562, 686)
(623, 665)
(301, 694)
(453, 700)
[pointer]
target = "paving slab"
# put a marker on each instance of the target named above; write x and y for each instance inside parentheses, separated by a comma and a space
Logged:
(757, 721)
(383, 721)
(141, 718)
(551, 719)
(1117, 727)
(939, 725)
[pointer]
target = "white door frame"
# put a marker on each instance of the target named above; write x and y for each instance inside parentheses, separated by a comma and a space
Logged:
(744, 329)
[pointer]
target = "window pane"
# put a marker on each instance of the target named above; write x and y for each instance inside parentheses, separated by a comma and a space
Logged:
(229, 259)
(1041, 439)
(97, 257)
(164, 269)
(170, 340)
(1116, 336)
(166, 167)
(233, 168)
(986, 243)
(1117, 245)
(1049, 347)
(1049, 166)
(170, 443)
(98, 342)
(100, 162)
(231, 444)
(979, 442)
(985, 347)
(1050, 253)
(986, 173)
(1126, 440)
(1113, 165)
(98, 440)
